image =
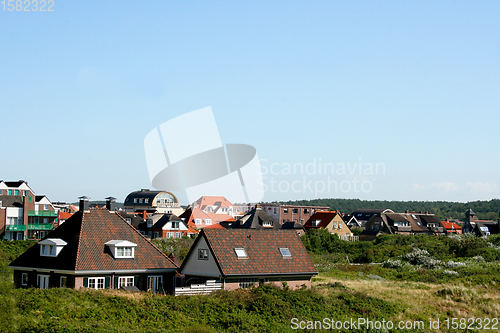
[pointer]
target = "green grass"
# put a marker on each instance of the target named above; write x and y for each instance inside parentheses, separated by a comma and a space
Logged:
(340, 292)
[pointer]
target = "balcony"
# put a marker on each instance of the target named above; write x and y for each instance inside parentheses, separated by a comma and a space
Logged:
(15, 227)
(40, 226)
(45, 213)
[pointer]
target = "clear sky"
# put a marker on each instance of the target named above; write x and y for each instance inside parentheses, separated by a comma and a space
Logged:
(406, 91)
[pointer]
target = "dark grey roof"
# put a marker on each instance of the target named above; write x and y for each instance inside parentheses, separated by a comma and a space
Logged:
(254, 219)
(165, 219)
(144, 194)
(292, 225)
(397, 217)
(39, 197)
(14, 183)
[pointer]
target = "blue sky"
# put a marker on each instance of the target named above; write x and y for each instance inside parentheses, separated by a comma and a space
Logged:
(412, 86)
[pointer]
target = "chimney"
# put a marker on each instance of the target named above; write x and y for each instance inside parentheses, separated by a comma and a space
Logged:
(111, 204)
(84, 204)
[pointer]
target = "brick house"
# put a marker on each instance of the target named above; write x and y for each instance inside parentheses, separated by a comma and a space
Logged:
(331, 221)
(97, 249)
(23, 214)
(240, 258)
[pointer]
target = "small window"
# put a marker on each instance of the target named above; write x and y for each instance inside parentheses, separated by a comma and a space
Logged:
(208, 221)
(335, 224)
(63, 281)
(30, 199)
(129, 220)
(149, 223)
(267, 224)
(10, 192)
(340, 225)
(285, 252)
(146, 200)
(203, 254)
(24, 279)
(170, 234)
(26, 193)
(179, 235)
(125, 281)
(247, 282)
(306, 211)
(96, 283)
(156, 234)
(135, 200)
(197, 221)
(175, 224)
(295, 211)
(124, 252)
(16, 192)
(241, 253)
(285, 210)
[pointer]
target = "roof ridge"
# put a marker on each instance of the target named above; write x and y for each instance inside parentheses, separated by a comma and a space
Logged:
(79, 239)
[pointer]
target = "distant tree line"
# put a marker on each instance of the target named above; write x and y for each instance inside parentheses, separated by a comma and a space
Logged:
(485, 210)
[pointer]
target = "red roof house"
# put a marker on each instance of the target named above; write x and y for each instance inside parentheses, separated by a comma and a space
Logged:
(240, 258)
(94, 248)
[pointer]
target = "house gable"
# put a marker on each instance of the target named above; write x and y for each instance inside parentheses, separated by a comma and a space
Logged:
(193, 265)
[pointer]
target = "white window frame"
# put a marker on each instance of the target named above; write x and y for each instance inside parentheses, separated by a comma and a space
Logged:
(125, 281)
(149, 223)
(267, 223)
(241, 253)
(96, 281)
(207, 221)
(170, 234)
(176, 224)
(121, 249)
(24, 279)
(197, 221)
(179, 234)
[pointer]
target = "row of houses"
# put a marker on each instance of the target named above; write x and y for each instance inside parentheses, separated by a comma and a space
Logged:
(98, 248)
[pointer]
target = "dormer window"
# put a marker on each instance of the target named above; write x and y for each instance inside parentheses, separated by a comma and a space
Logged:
(51, 247)
(241, 253)
(121, 248)
(315, 223)
(285, 252)
(267, 223)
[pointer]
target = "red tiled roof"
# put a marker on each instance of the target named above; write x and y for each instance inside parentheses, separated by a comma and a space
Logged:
(324, 216)
(86, 234)
(65, 215)
(221, 217)
(215, 226)
(213, 201)
(451, 225)
(263, 250)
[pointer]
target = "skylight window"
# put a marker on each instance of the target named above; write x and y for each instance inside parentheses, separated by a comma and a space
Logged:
(285, 252)
(241, 253)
